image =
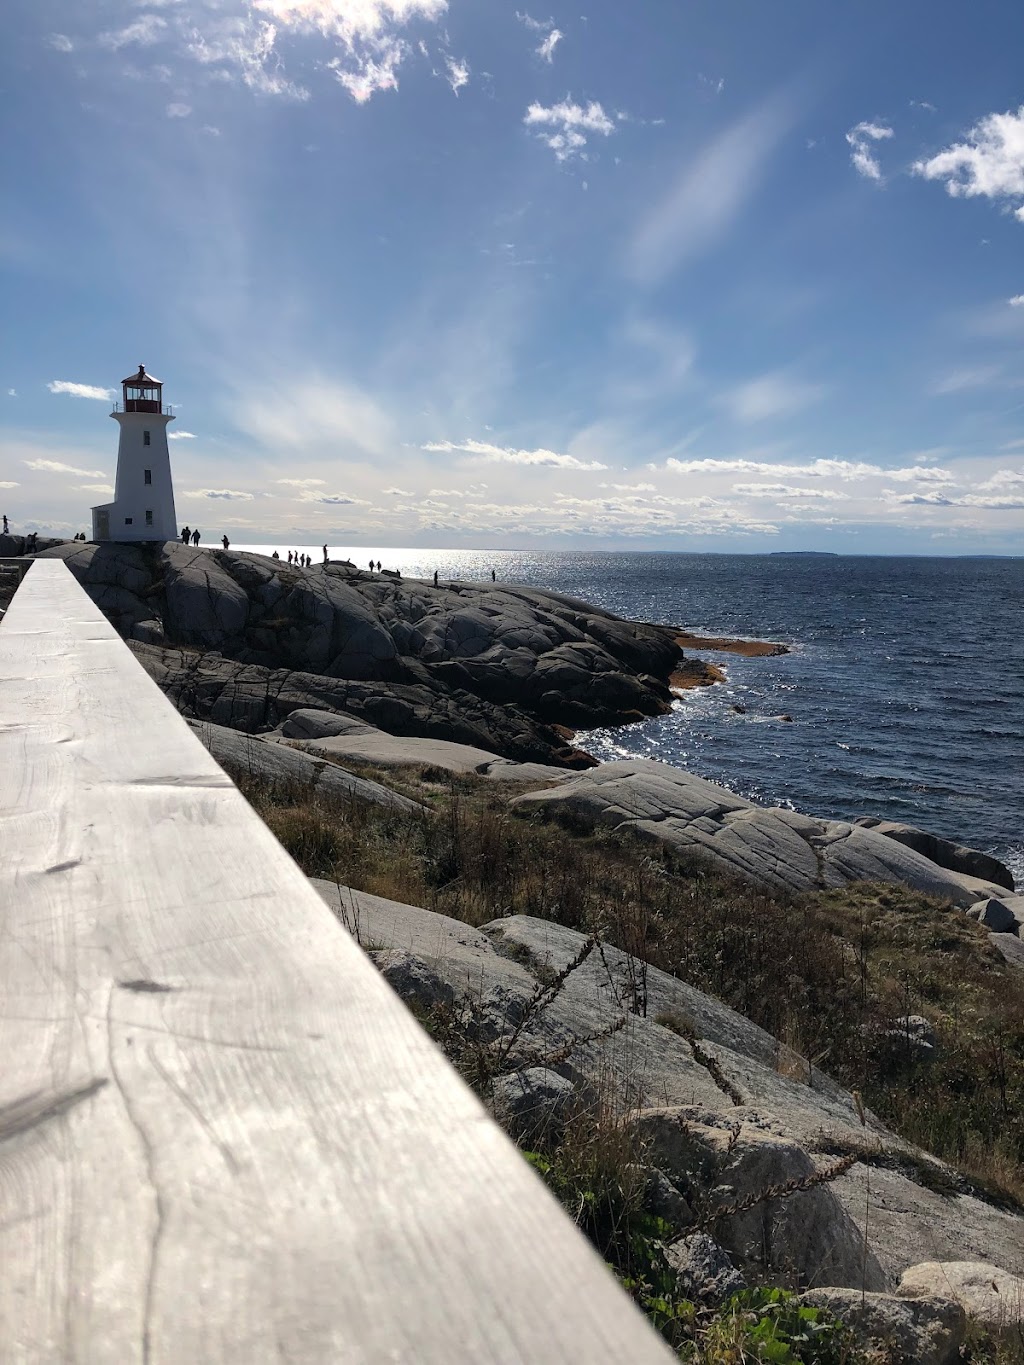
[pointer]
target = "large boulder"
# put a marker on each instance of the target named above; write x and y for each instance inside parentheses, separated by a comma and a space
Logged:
(770, 846)
(987, 1292)
(956, 857)
(917, 1331)
(773, 1214)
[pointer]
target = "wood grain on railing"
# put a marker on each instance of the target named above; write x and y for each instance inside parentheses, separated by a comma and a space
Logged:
(222, 1138)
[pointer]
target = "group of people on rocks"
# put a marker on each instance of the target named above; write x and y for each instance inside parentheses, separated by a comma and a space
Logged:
(189, 535)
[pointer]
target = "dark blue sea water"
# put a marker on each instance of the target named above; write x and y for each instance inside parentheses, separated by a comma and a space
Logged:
(905, 681)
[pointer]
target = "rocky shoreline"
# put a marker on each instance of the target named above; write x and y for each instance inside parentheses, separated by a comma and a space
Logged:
(352, 687)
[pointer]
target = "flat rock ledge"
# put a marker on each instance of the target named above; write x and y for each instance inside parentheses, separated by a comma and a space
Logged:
(768, 846)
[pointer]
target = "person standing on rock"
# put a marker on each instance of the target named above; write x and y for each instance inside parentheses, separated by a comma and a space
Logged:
(195, 539)
(6, 528)
(326, 560)
(289, 557)
(225, 542)
(435, 578)
(275, 555)
(493, 577)
(186, 535)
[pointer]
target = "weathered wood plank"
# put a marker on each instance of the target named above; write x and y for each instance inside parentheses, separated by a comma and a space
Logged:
(222, 1138)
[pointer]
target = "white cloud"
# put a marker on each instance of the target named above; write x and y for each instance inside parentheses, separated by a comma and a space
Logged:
(80, 390)
(60, 42)
(12, 393)
(573, 123)
(630, 487)
(546, 50)
(988, 162)
(1017, 301)
(1003, 478)
(144, 32)
(181, 436)
(338, 500)
(783, 490)
(457, 74)
(59, 467)
(814, 469)
(9, 483)
(861, 139)
(103, 490)
(770, 395)
(367, 31)
(547, 459)
(302, 483)
(178, 110)
(225, 494)
(709, 194)
(398, 492)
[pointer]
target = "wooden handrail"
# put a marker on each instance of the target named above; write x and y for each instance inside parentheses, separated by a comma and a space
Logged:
(222, 1137)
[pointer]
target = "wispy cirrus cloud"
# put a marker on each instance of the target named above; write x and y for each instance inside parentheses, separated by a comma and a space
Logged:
(709, 194)
(60, 42)
(181, 436)
(862, 139)
(483, 450)
(178, 110)
(988, 162)
(572, 124)
(777, 394)
(74, 390)
(59, 467)
(302, 483)
(144, 32)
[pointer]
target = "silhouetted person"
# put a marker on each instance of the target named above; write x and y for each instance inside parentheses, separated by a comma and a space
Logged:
(435, 578)
(371, 566)
(225, 542)
(289, 556)
(275, 555)
(493, 579)
(195, 539)
(325, 555)
(6, 528)
(379, 566)
(186, 536)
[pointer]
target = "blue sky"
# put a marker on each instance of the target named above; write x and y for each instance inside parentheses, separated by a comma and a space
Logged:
(695, 274)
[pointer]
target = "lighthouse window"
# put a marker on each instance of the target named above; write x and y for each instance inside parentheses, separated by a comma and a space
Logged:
(149, 518)
(145, 438)
(148, 475)
(127, 521)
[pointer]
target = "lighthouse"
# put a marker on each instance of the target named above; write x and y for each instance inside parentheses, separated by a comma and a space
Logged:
(143, 506)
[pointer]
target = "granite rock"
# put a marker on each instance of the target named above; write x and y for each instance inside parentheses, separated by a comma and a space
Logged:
(770, 846)
(917, 1331)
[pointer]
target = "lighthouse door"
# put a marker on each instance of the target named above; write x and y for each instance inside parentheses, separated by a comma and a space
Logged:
(102, 525)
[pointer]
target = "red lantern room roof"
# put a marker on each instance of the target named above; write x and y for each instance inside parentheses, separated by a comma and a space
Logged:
(141, 378)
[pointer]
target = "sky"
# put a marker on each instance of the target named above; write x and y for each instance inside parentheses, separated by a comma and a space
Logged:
(722, 275)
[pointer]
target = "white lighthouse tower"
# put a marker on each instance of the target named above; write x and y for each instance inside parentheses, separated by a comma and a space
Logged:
(143, 506)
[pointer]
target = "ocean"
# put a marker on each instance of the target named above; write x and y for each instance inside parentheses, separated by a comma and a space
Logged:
(905, 680)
